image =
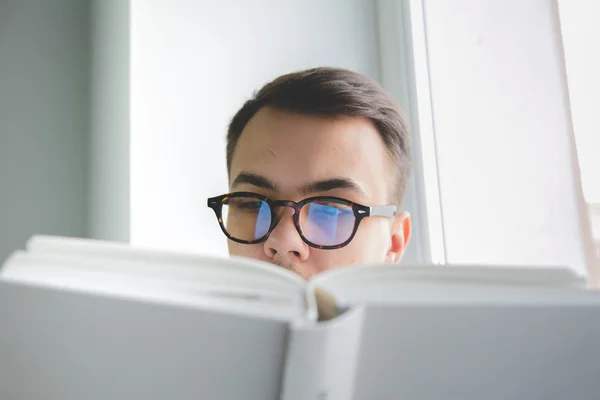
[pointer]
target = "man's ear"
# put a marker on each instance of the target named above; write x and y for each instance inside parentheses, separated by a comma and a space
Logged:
(400, 231)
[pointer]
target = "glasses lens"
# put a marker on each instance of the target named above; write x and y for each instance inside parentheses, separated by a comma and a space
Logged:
(327, 223)
(246, 218)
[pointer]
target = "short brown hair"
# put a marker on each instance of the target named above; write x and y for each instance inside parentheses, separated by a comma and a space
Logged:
(332, 92)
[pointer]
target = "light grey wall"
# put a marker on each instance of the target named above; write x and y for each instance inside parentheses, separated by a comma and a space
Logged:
(43, 119)
(109, 134)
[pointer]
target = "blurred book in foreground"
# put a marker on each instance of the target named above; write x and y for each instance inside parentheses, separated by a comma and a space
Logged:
(90, 319)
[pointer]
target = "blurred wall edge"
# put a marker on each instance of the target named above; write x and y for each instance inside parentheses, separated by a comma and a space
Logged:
(44, 119)
(109, 121)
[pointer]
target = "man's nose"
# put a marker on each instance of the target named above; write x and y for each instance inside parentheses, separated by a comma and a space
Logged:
(285, 240)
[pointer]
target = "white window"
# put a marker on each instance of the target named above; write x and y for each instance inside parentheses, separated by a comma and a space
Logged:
(581, 36)
(502, 131)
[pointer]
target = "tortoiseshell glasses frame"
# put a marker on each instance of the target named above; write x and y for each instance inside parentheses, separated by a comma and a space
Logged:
(360, 212)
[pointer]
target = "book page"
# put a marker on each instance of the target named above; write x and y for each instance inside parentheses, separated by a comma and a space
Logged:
(390, 283)
(167, 262)
(220, 284)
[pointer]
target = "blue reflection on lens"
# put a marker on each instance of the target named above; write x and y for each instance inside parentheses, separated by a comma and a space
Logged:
(263, 221)
(328, 220)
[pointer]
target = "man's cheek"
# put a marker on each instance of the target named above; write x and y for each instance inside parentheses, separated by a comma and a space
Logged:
(254, 251)
(237, 249)
(370, 245)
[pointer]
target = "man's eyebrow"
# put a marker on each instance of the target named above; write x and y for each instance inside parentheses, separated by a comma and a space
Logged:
(331, 184)
(254, 180)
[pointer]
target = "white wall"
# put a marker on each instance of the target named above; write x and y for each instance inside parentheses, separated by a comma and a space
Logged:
(44, 54)
(109, 121)
(502, 133)
(193, 66)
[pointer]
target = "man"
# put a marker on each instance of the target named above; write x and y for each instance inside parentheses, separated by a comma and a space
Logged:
(318, 163)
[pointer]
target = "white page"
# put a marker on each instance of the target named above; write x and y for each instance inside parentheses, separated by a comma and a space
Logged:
(115, 278)
(476, 274)
(168, 262)
(234, 270)
(391, 283)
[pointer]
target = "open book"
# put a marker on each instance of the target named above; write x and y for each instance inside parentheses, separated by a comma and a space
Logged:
(95, 320)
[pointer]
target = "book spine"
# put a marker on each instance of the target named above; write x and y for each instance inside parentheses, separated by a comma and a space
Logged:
(322, 358)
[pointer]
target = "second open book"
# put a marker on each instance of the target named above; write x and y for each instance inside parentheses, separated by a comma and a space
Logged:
(112, 318)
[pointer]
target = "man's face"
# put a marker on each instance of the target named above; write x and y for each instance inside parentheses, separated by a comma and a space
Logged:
(346, 156)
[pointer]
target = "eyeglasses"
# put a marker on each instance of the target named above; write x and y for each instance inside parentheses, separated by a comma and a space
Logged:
(322, 222)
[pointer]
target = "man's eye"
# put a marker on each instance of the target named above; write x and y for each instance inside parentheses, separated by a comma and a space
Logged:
(250, 205)
(326, 210)
(333, 208)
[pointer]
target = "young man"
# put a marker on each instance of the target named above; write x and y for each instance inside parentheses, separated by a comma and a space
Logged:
(318, 163)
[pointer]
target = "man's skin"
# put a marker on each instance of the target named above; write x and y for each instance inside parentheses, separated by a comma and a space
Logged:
(288, 156)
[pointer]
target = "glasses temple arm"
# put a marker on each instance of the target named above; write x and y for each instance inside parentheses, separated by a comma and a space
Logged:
(382, 211)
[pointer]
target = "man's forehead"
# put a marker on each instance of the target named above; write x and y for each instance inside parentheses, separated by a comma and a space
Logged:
(273, 125)
(295, 151)
(279, 133)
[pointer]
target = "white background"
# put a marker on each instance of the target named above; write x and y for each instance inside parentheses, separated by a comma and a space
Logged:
(193, 66)
(114, 125)
(502, 133)
(498, 101)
